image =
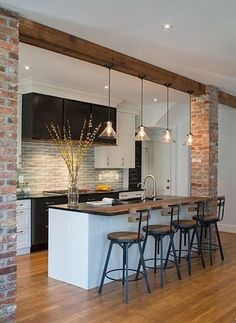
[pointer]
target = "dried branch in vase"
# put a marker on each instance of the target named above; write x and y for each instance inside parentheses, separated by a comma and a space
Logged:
(70, 150)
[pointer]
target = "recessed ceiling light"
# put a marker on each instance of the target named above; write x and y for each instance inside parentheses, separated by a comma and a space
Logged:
(27, 67)
(106, 87)
(155, 99)
(167, 26)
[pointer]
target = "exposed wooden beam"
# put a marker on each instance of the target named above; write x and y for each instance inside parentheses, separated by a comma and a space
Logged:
(57, 41)
(227, 99)
(42, 36)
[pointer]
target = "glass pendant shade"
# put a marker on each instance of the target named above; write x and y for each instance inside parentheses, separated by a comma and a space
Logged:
(109, 132)
(189, 139)
(167, 137)
(141, 135)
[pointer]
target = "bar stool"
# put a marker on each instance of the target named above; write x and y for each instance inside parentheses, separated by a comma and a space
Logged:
(189, 228)
(159, 232)
(126, 239)
(206, 224)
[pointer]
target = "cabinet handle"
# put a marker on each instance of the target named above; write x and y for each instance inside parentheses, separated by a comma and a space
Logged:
(20, 231)
(46, 226)
(123, 161)
(107, 161)
(48, 203)
(19, 212)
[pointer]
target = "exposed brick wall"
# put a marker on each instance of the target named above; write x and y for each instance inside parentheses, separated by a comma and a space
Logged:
(44, 169)
(204, 155)
(8, 131)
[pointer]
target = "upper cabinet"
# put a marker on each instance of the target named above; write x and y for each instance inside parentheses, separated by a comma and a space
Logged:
(75, 112)
(39, 110)
(122, 155)
(101, 115)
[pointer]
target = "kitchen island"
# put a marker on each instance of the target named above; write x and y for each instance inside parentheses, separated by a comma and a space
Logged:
(78, 237)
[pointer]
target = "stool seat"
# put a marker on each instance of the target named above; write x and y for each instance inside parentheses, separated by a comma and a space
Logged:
(208, 218)
(125, 236)
(186, 224)
(157, 229)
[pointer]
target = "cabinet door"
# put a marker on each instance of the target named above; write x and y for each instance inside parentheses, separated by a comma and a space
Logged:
(76, 112)
(106, 157)
(38, 110)
(101, 115)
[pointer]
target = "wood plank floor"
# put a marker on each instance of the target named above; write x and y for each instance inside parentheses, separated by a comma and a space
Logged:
(207, 296)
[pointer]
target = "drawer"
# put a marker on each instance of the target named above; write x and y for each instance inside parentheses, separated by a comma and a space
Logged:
(23, 217)
(23, 237)
(23, 204)
(43, 203)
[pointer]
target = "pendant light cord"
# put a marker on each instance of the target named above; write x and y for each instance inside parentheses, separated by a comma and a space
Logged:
(142, 101)
(167, 107)
(109, 94)
(190, 111)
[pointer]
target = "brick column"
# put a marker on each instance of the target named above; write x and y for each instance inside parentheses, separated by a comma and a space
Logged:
(204, 155)
(9, 41)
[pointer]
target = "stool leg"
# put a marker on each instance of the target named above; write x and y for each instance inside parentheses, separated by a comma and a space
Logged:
(143, 249)
(167, 255)
(180, 245)
(126, 274)
(200, 248)
(105, 267)
(219, 241)
(210, 242)
(144, 268)
(175, 257)
(155, 256)
(123, 269)
(162, 267)
(189, 253)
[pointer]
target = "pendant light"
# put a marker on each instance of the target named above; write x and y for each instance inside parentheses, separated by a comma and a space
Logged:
(167, 134)
(141, 135)
(109, 132)
(189, 139)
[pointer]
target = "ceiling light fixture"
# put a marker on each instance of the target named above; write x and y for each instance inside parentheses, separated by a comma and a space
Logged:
(27, 67)
(167, 26)
(109, 132)
(189, 139)
(141, 135)
(155, 99)
(106, 87)
(167, 134)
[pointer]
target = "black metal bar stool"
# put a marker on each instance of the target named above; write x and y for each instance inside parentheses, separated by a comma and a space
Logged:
(209, 220)
(189, 228)
(126, 239)
(159, 232)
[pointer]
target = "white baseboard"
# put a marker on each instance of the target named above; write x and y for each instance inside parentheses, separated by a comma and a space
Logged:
(227, 227)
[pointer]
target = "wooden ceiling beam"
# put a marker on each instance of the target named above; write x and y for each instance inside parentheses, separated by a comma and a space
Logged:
(42, 36)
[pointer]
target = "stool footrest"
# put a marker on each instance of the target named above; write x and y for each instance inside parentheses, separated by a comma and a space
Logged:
(159, 267)
(121, 279)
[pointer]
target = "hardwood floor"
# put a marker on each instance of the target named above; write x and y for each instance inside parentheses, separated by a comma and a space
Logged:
(207, 296)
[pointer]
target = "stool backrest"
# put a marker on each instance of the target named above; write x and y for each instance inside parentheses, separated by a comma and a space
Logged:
(220, 207)
(201, 206)
(140, 216)
(174, 216)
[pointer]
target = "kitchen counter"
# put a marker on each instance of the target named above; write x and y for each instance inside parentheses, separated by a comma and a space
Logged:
(78, 237)
(162, 201)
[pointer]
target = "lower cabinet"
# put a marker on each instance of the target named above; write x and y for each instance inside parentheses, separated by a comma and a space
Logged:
(39, 220)
(23, 225)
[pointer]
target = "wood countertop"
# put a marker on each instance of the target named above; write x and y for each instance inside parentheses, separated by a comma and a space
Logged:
(112, 210)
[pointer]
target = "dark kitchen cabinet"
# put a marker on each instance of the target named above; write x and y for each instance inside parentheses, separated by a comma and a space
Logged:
(39, 220)
(101, 115)
(39, 110)
(75, 112)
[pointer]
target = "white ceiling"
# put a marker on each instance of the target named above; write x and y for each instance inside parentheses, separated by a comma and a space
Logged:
(201, 45)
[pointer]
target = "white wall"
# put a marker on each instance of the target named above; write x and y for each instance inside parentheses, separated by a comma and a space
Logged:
(227, 165)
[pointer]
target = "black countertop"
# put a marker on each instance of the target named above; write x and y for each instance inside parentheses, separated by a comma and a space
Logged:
(82, 192)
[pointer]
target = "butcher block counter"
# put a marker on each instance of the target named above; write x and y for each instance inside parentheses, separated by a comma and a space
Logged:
(78, 236)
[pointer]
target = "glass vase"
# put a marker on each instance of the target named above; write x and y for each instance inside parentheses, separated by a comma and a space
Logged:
(73, 193)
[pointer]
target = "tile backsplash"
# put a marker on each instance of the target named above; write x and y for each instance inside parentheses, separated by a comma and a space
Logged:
(44, 169)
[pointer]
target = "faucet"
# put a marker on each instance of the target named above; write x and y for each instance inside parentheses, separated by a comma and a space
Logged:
(153, 196)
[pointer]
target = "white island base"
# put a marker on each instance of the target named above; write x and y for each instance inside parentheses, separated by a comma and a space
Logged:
(78, 245)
